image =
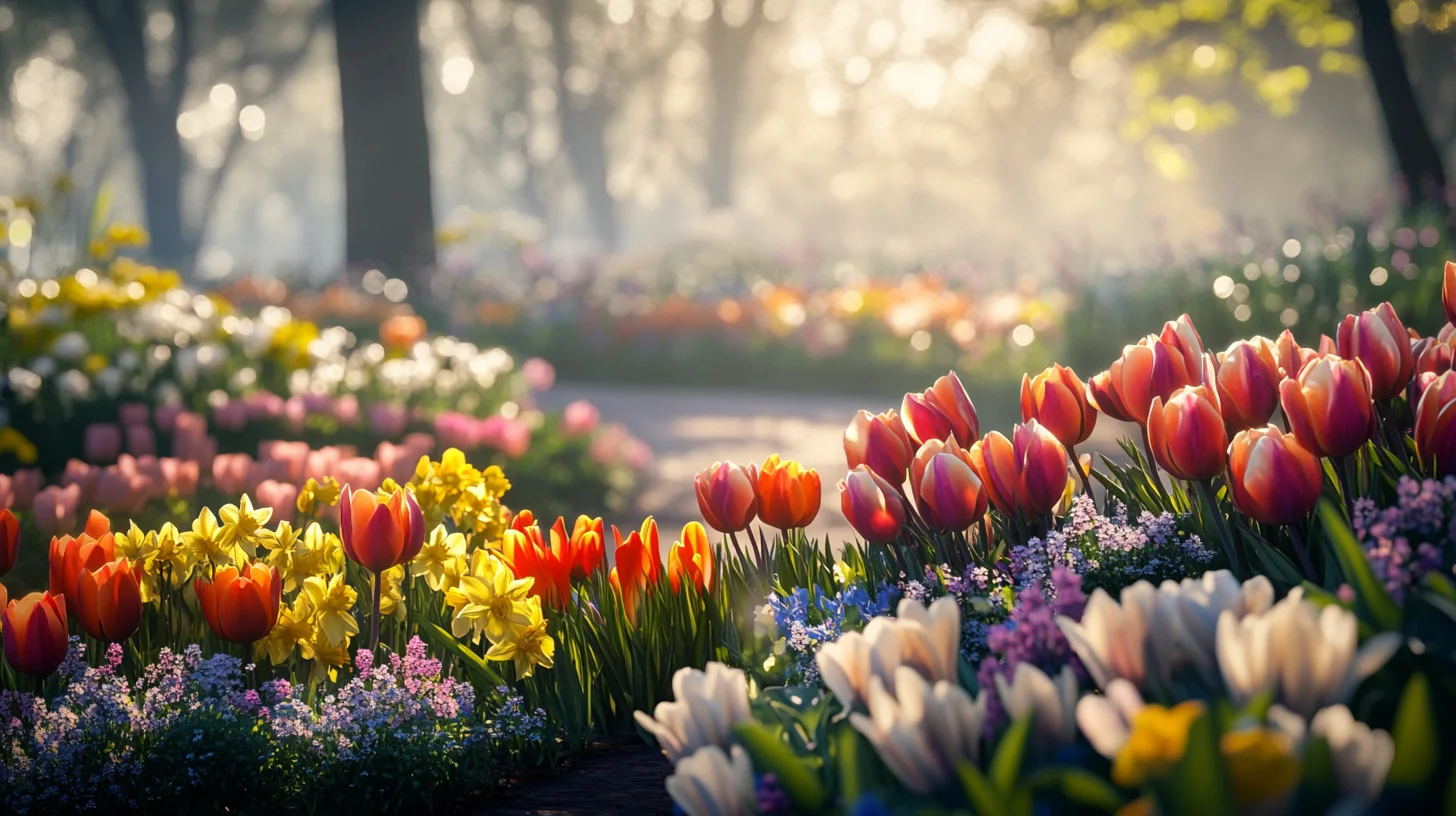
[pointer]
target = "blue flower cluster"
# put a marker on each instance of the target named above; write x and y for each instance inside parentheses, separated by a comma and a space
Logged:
(808, 618)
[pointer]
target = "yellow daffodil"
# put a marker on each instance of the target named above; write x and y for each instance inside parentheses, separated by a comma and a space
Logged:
(441, 550)
(315, 494)
(490, 600)
(529, 646)
(479, 511)
(392, 601)
(14, 442)
(294, 626)
(243, 526)
(330, 600)
(140, 547)
(327, 659)
(1261, 764)
(1155, 743)
(204, 542)
(173, 555)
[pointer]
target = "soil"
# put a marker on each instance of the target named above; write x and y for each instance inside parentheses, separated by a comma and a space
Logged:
(610, 777)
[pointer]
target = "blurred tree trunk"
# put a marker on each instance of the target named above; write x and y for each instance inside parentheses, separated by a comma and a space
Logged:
(728, 46)
(583, 121)
(1416, 155)
(389, 216)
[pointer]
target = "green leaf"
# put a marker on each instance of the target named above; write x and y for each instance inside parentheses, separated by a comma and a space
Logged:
(1006, 762)
(1370, 593)
(771, 755)
(1417, 746)
(1441, 585)
(482, 675)
(1199, 782)
(978, 790)
(1319, 779)
(1081, 787)
(851, 757)
(1273, 563)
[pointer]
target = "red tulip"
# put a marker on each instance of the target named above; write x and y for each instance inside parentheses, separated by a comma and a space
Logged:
(68, 556)
(34, 628)
(788, 494)
(9, 540)
(727, 497)
(639, 566)
(880, 443)
(1273, 479)
(872, 505)
(1058, 400)
(110, 601)
(1379, 340)
(4, 597)
(1435, 429)
(949, 395)
(588, 546)
(1433, 356)
(922, 420)
(950, 494)
(1026, 474)
(1187, 436)
(240, 606)
(1248, 383)
(1155, 367)
(523, 520)
(380, 536)
(1448, 292)
(691, 559)
(529, 557)
(1328, 406)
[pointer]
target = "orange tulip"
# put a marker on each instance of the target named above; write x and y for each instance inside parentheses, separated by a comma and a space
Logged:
(639, 566)
(1435, 430)
(1328, 406)
(1248, 383)
(97, 524)
(1155, 367)
(523, 520)
(1448, 292)
(401, 331)
(1187, 435)
(872, 505)
(691, 558)
(588, 546)
(380, 536)
(1291, 357)
(922, 420)
(881, 443)
(950, 397)
(1026, 474)
(34, 628)
(1273, 479)
(727, 497)
(110, 601)
(241, 606)
(1058, 400)
(68, 556)
(1103, 395)
(1379, 340)
(9, 540)
(4, 597)
(529, 557)
(788, 494)
(950, 494)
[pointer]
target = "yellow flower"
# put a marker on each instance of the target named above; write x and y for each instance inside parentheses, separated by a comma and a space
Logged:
(490, 600)
(330, 600)
(529, 646)
(94, 363)
(327, 659)
(14, 442)
(244, 527)
(315, 493)
(205, 542)
(100, 250)
(141, 549)
(172, 553)
(478, 511)
(294, 626)
(436, 557)
(127, 235)
(1261, 764)
(392, 602)
(1156, 742)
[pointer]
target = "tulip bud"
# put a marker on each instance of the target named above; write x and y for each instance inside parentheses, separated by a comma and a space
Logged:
(1187, 436)
(1026, 474)
(1292, 358)
(588, 546)
(1180, 335)
(69, 556)
(1155, 367)
(949, 395)
(881, 443)
(1435, 425)
(1248, 384)
(1379, 340)
(9, 540)
(727, 497)
(788, 494)
(1103, 395)
(1328, 406)
(378, 536)
(241, 606)
(1272, 478)
(1058, 400)
(691, 559)
(34, 629)
(1448, 292)
(950, 494)
(922, 420)
(871, 505)
(109, 601)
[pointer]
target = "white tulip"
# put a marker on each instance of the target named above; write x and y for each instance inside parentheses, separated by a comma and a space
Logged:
(712, 783)
(1306, 654)
(847, 665)
(1052, 704)
(931, 637)
(922, 731)
(1112, 637)
(707, 705)
(1362, 754)
(1184, 630)
(1106, 719)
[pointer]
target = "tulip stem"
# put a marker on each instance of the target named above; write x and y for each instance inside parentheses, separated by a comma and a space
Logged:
(1302, 551)
(1081, 474)
(1153, 466)
(1210, 500)
(374, 622)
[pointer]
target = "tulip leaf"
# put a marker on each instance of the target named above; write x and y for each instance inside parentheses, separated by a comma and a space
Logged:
(771, 755)
(1081, 787)
(1006, 762)
(1199, 782)
(851, 764)
(1417, 745)
(1441, 585)
(1273, 563)
(1319, 780)
(983, 798)
(1370, 593)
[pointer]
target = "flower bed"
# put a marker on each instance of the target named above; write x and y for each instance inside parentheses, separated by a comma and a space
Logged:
(1241, 618)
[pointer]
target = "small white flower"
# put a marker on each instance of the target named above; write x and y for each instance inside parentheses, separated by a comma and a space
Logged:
(1112, 637)
(764, 623)
(1052, 704)
(922, 731)
(1184, 630)
(707, 705)
(73, 386)
(1106, 719)
(1362, 754)
(710, 783)
(70, 346)
(931, 637)
(927, 640)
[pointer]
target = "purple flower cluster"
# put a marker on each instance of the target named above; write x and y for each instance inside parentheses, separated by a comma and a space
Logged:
(512, 722)
(1405, 541)
(808, 619)
(1031, 636)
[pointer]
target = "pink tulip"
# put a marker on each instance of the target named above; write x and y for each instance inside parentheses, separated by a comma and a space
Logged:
(263, 405)
(420, 441)
(538, 374)
(345, 409)
(292, 455)
(278, 495)
(134, 413)
(24, 484)
(515, 438)
(230, 473)
(231, 416)
(580, 418)
(83, 476)
(316, 403)
(102, 441)
(166, 416)
(456, 430)
(119, 491)
(55, 509)
(7, 493)
(388, 421)
(361, 473)
(1379, 340)
(180, 476)
(140, 441)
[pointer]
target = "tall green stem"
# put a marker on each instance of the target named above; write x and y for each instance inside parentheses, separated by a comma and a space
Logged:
(374, 621)
(1210, 502)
